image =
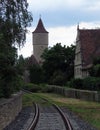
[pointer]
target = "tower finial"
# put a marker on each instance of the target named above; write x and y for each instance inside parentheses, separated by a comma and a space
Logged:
(78, 26)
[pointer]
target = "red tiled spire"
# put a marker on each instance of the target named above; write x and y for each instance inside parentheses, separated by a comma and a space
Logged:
(40, 27)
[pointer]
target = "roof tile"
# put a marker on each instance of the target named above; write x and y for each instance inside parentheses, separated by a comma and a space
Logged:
(90, 45)
(40, 27)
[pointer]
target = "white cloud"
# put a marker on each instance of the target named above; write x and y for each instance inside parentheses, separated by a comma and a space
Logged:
(90, 25)
(93, 6)
(51, 5)
(27, 50)
(75, 3)
(64, 35)
(38, 5)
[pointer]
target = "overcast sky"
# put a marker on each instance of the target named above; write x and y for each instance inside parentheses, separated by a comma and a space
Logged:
(60, 18)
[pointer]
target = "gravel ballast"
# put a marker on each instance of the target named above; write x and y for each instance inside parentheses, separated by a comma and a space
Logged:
(76, 121)
(24, 118)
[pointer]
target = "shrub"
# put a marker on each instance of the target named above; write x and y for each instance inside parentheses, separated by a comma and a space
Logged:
(45, 88)
(91, 83)
(1, 92)
(36, 74)
(76, 83)
(38, 88)
(31, 87)
(18, 83)
(95, 71)
(58, 78)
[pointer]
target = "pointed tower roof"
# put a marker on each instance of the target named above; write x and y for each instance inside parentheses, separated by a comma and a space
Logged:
(40, 27)
(78, 26)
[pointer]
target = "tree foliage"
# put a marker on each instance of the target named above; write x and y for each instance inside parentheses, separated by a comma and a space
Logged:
(21, 65)
(8, 57)
(58, 78)
(36, 74)
(95, 69)
(14, 18)
(59, 58)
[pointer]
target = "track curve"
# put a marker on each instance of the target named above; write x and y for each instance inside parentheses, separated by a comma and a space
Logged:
(35, 119)
(34, 125)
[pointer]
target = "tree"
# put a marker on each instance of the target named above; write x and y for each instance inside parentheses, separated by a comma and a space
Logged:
(8, 57)
(21, 64)
(36, 74)
(59, 58)
(95, 69)
(58, 78)
(14, 19)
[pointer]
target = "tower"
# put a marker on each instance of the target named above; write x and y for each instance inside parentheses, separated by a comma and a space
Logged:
(40, 41)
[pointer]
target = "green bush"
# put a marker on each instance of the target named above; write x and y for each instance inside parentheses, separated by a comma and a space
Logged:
(58, 78)
(95, 71)
(36, 74)
(1, 92)
(37, 88)
(76, 83)
(18, 83)
(91, 83)
(9, 87)
(32, 87)
(45, 88)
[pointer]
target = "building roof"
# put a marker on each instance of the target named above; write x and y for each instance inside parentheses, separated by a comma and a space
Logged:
(90, 45)
(40, 27)
(32, 61)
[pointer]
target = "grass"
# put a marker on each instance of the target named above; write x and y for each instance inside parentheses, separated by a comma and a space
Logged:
(89, 111)
(28, 99)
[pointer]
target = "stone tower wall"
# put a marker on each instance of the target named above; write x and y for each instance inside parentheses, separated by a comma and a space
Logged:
(40, 42)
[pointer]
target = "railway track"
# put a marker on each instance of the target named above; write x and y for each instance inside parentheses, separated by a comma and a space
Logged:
(65, 119)
(35, 118)
(49, 118)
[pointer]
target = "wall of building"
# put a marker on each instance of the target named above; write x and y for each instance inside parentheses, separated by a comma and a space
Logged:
(78, 62)
(38, 51)
(9, 109)
(78, 65)
(40, 42)
(40, 38)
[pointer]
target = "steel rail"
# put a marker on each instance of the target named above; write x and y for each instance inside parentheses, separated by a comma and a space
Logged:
(35, 119)
(36, 113)
(65, 119)
(36, 116)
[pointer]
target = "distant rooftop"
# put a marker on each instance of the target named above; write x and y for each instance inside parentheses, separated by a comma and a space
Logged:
(40, 27)
(90, 45)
